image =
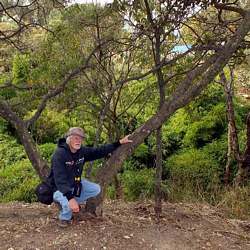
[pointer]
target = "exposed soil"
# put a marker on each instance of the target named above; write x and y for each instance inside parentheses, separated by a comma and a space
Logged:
(123, 226)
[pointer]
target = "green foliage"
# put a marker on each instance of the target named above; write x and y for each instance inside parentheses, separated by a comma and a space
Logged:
(192, 173)
(17, 182)
(138, 184)
(47, 150)
(50, 126)
(6, 93)
(23, 192)
(207, 128)
(141, 151)
(20, 69)
(10, 151)
(110, 192)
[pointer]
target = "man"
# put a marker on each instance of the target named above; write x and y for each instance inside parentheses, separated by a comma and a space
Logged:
(66, 170)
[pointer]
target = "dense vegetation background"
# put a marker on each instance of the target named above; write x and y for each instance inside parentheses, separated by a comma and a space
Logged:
(194, 139)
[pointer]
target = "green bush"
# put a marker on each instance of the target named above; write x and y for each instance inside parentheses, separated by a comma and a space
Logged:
(17, 182)
(23, 192)
(207, 128)
(50, 126)
(10, 151)
(47, 150)
(138, 184)
(20, 68)
(192, 174)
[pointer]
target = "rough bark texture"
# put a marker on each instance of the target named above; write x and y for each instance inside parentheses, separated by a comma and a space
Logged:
(233, 144)
(243, 160)
(229, 157)
(158, 179)
(184, 93)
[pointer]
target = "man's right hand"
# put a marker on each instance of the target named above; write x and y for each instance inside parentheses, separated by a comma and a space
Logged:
(74, 205)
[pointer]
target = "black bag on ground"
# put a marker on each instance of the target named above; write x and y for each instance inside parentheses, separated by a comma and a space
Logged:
(44, 193)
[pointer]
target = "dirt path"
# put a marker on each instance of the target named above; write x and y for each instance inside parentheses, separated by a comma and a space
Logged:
(123, 226)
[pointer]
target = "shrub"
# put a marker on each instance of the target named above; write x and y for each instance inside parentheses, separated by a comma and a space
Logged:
(10, 151)
(207, 128)
(21, 68)
(47, 150)
(192, 174)
(50, 126)
(138, 184)
(17, 182)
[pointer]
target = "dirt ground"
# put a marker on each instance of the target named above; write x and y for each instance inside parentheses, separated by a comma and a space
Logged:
(123, 226)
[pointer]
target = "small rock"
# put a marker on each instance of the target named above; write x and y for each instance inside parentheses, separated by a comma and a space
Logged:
(208, 244)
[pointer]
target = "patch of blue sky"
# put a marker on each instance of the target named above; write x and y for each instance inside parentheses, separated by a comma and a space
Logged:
(181, 48)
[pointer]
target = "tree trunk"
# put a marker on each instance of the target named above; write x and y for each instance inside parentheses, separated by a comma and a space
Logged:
(244, 166)
(229, 157)
(118, 188)
(158, 179)
(30, 148)
(233, 143)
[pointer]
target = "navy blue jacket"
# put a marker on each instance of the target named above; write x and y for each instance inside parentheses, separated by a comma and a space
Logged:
(65, 165)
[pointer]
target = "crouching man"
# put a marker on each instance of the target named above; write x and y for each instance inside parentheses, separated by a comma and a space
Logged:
(66, 170)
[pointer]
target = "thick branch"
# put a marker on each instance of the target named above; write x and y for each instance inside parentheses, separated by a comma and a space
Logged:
(222, 6)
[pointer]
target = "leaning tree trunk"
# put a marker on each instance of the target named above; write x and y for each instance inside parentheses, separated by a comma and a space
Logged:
(184, 93)
(26, 139)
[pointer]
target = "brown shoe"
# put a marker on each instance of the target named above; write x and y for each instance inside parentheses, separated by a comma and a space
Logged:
(83, 216)
(64, 223)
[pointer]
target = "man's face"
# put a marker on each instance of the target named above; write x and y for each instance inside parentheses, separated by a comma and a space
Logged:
(76, 141)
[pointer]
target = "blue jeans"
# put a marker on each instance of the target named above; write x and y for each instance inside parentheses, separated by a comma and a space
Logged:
(89, 189)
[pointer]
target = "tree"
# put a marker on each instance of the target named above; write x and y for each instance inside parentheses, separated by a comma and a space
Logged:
(188, 88)
(242, 159)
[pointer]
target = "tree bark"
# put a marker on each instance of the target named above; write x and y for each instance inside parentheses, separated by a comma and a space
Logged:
(156, 48)
(233, 143)
(244, 164)
(229, 156)
(243, 160)
(158, 179)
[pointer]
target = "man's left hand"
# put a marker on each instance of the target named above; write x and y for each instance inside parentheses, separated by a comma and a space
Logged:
(125, 140)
